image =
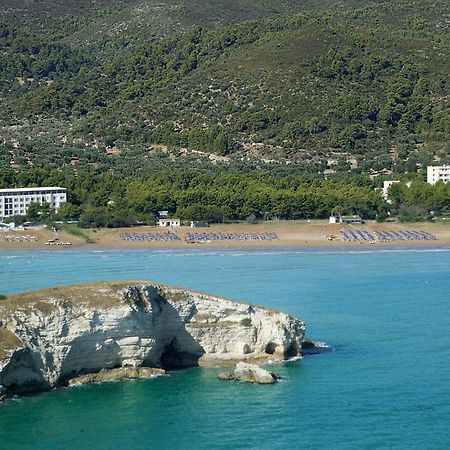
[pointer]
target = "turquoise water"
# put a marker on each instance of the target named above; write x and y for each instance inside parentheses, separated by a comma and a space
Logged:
(386, 384)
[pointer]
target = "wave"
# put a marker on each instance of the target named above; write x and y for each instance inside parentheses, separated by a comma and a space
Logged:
(294, 358)
(339, 251)
(312, 251)
(319, 344)
(227, 252)
(284, 361)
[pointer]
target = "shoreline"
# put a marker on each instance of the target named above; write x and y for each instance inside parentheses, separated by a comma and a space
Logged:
(281, 248)
(291, 235)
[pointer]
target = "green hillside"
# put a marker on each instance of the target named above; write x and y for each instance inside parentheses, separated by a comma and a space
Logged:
(84, 21)
(359, 88)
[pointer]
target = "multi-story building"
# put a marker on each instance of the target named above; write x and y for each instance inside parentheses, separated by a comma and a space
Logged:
(438, 173)
(15, 202)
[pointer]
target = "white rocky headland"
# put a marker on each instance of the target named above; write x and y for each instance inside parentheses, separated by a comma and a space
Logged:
(52, 336)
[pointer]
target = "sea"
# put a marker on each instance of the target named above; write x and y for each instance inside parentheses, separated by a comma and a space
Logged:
(385, 383)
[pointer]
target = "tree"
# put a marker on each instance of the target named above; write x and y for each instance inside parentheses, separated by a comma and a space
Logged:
(68, 211)
(37, 212)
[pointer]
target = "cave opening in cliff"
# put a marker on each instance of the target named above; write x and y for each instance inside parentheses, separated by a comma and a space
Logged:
(270, 348)
(173, 357)
(292, 350)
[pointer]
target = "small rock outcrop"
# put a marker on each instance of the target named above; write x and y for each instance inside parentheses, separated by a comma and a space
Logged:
(122, 373)
(310, 347)
(250, 373)
(49, 337)
(226, 376)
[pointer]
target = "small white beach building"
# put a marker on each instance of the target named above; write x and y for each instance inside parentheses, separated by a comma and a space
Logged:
(169, 222)
(354, 219)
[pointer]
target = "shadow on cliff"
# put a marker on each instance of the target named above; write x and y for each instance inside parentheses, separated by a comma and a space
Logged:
(24, 373)
(152, 319)
(179, 349)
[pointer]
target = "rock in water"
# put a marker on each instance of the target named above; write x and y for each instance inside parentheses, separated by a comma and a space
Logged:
(250, 373)
(50, 337)
(253, 374)
(122, 373)
(225, 376)
(310, 347)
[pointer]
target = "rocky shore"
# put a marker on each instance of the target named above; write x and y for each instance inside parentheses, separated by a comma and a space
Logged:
(122, 373)
(105, 331)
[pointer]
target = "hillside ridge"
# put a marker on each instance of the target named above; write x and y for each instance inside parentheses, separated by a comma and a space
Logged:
(360, 89)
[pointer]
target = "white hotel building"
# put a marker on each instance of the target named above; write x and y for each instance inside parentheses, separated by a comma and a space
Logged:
(437, 173)
(15, 202)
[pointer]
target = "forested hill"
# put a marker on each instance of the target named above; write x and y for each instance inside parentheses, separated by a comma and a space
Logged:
(359, 87)
(94, 18)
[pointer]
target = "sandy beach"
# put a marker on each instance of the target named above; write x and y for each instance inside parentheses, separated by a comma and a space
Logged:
(291, 234)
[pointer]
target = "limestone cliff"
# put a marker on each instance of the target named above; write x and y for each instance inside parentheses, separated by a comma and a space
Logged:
(48, 337)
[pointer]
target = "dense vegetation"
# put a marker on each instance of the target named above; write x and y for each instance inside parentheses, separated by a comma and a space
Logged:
(362, 89)
(224, 111)
(217, 195)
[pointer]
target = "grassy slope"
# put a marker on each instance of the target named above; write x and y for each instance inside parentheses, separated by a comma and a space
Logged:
(8, 342)
(99, 295)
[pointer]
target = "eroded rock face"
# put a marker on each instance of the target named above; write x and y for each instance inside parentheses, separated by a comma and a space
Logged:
(55, 335)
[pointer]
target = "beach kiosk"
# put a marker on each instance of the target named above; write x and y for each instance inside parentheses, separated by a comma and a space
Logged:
(169, 222)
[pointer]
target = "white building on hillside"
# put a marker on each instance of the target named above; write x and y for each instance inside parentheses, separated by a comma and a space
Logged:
(15, 202)
(438, 173)
(385, 189)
